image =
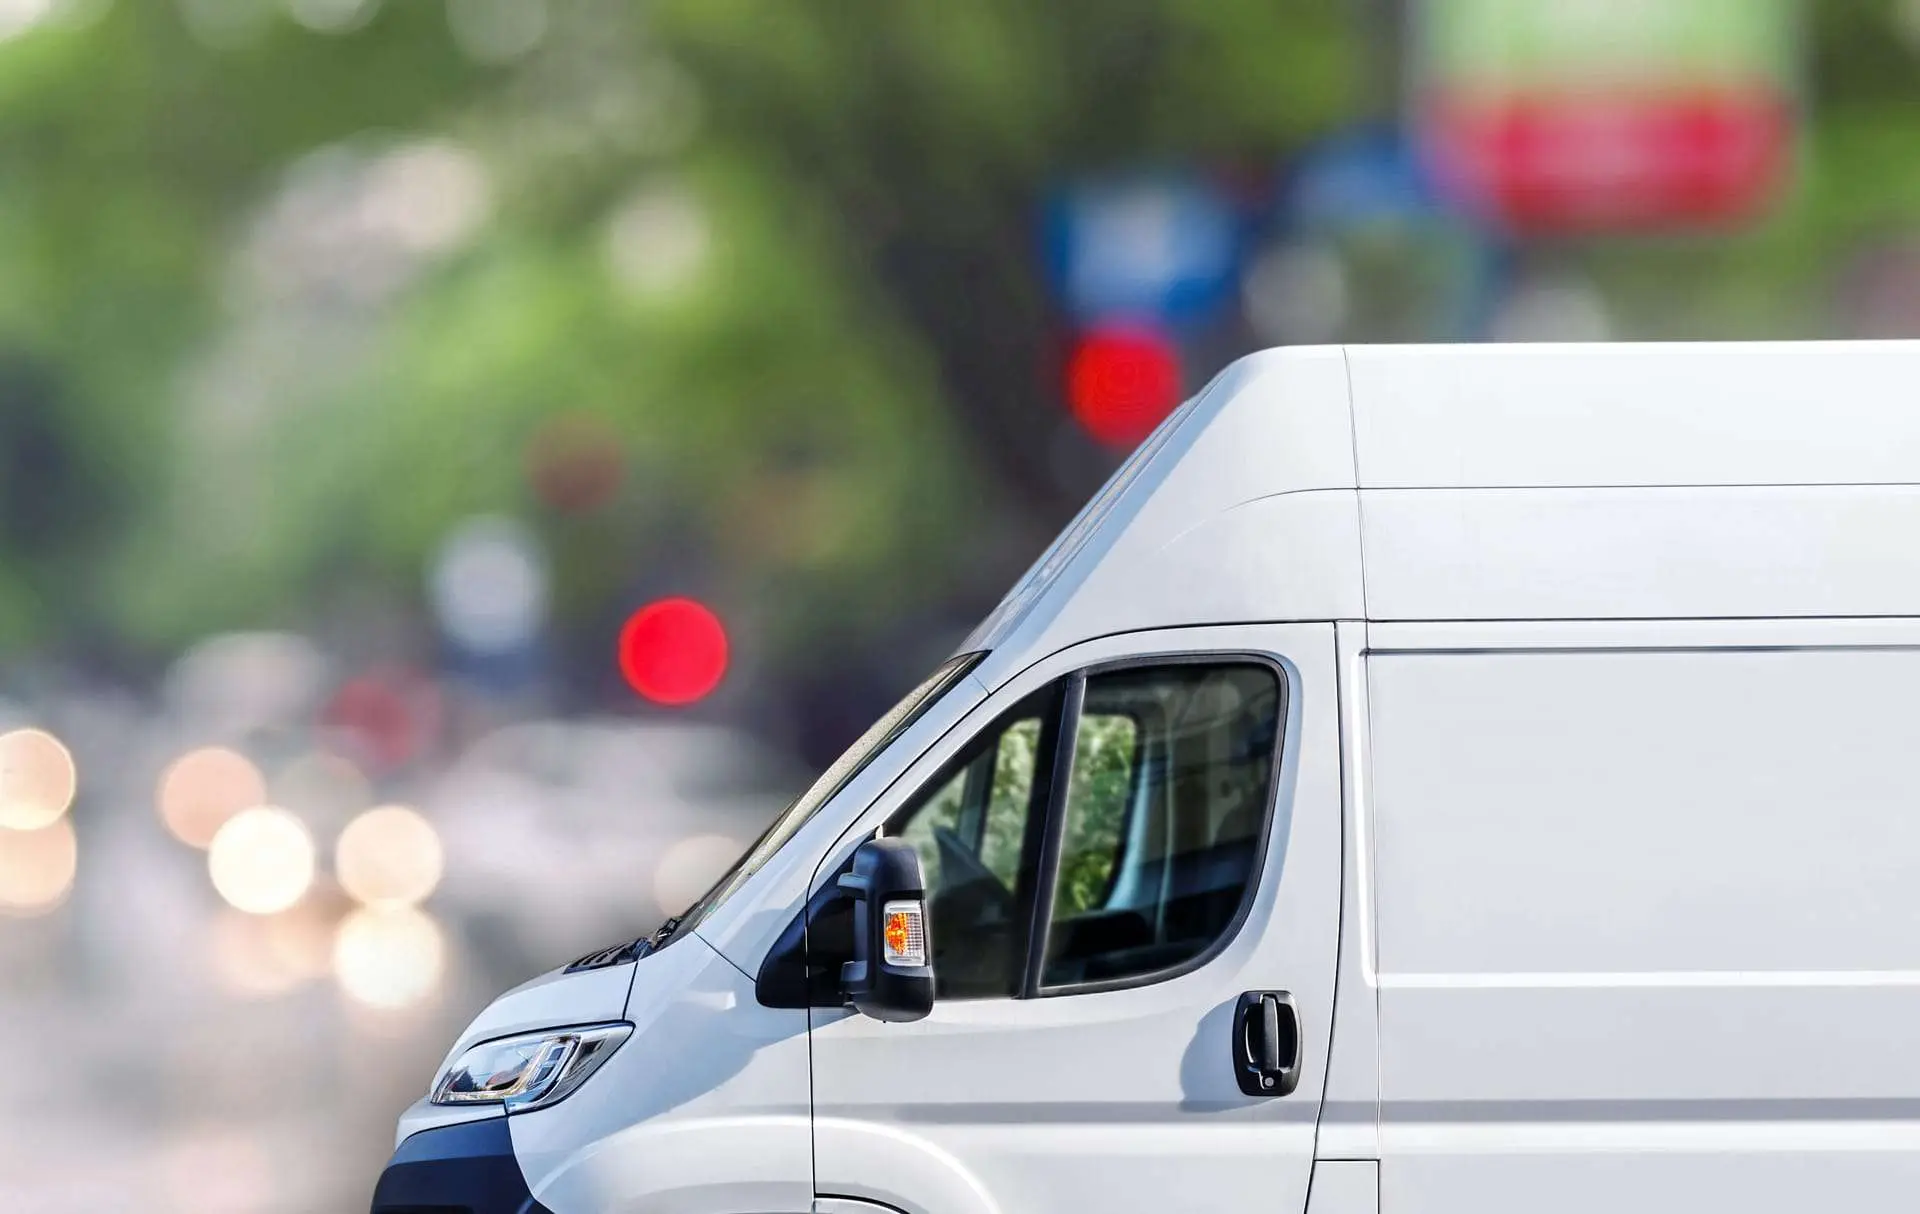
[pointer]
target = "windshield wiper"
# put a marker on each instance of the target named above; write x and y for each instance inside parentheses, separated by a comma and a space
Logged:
(632, 950)
(664, 933)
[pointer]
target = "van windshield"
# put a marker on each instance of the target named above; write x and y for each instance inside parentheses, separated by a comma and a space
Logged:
(831, 781)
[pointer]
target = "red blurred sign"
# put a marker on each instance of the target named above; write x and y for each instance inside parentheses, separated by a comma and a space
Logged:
(1590, 116)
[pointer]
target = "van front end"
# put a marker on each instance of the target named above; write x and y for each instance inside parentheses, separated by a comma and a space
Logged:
(1059, 932)
(656, 1082)
(669, 1074)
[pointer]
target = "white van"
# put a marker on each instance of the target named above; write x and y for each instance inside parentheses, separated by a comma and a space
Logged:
(1427, 781)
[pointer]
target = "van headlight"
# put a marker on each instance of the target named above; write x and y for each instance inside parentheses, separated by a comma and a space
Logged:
(531, 1070)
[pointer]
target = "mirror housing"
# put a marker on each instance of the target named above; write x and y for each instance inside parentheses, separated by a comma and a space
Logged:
(891, 975)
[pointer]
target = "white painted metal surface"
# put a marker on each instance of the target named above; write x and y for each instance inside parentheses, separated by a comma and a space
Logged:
(587, 997)
(1648, 935)
(1242, 501)
(1121, 1101)
(423, 1115)
(703, 1111)
(1563, 416)
(1350, 1114)
(1577, 482)
(1345, 1186)
(1521, 554)
(1687, 818)
(848, 1205)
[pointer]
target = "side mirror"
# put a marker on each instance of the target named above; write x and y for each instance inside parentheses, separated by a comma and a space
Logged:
(891, 974)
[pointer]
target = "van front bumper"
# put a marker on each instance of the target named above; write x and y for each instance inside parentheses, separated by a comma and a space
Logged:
(457, 1169)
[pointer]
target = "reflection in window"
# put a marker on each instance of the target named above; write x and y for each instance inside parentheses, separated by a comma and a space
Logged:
(1104, 758)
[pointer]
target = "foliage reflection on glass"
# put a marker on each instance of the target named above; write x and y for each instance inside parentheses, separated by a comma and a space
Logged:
(1103, 765)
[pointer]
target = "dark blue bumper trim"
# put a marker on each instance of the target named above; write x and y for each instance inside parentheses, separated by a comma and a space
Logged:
(457, 1169)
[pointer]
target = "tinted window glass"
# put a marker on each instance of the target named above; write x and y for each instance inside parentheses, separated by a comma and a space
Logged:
(1166, 810)
(974, 829)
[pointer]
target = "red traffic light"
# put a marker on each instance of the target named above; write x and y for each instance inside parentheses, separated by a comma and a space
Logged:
(674, 652)
(1121, 383)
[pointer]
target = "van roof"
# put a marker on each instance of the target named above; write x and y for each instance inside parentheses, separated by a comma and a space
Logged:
(1503, 482)
(1810, 413)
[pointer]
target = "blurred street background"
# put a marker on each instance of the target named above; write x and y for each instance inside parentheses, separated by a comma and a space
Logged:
(465, 463)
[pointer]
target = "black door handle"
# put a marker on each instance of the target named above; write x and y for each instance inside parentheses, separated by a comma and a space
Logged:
(1266, 1043)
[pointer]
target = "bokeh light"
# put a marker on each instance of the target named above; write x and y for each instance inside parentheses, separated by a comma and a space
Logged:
(1563, 311)
(226, 25)
(332, 16)
(489, 585)
(239, 682)
(659, 241)
(383, 718)
(690, 867)
(575, 464)
(19, 16)
(37, 779)
(674, 651)
(389, 957)
(497, 31)
(1297, 294)
(257, 956)
(205, 787)
(1121, 383)
(389, 856)
(262, 860)
(37, 868)
(322, 788)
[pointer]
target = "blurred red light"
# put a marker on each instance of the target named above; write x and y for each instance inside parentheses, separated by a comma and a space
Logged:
(674, 651)
(383, 718)
(1122, 383)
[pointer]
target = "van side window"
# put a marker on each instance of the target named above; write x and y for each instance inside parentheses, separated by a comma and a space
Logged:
(976, 827)
(1166, 810)
(1153, 785)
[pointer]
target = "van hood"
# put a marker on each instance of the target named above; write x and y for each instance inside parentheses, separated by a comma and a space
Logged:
(553, 1000)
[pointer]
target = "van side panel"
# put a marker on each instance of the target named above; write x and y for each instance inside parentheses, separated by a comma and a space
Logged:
(1350, 1114)
(1649, 929)
(1612, 553)
(1345, 1186)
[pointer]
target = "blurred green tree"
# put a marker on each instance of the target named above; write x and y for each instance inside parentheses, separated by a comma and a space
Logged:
(784, 253)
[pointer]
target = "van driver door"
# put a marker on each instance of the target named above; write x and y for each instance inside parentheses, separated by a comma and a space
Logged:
(1132, 855)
